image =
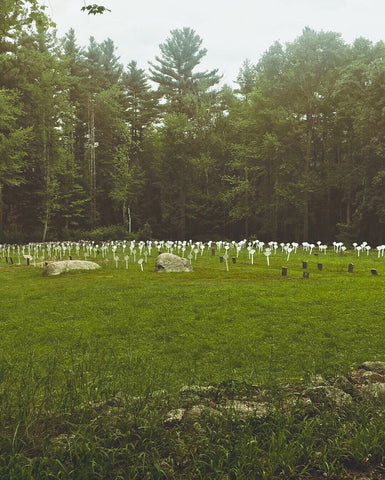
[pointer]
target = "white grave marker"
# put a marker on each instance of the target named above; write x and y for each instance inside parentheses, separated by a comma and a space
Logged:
(225, 256)
(267, 254)
(140, 262)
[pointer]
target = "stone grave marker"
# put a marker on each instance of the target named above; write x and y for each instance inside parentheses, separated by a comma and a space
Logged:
(289, 250)
(267, 253)
(225, 256)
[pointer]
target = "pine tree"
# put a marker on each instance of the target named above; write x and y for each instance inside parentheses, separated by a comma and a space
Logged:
(174, 71)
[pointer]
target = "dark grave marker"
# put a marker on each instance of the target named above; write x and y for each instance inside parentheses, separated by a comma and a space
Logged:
(284, 271)
(234, 259)
(305, 274)
(350, 268)
(373, 271)
(220, 259)
(319, 266)
(304, 265)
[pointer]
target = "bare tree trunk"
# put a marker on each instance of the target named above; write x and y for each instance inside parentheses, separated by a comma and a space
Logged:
(46, 220)
(247, 202)
(348, 212)
(1, 209)
(92, 160)
(306, 174)
(47, 181)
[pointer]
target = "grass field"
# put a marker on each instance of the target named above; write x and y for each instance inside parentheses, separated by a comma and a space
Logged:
(72, 341)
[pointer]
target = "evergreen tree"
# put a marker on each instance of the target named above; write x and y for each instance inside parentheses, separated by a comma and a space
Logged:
(141, 104)
(13, 142)
(178, 83)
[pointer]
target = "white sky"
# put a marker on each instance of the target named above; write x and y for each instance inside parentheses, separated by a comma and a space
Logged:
(232, 31)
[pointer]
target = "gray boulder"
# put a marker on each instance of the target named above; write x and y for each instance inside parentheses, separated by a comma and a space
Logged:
(56, 268)
(167, 262)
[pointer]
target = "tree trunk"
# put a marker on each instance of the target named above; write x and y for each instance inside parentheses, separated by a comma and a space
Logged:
(47, 180)
(182, 220)
(306, 176)
(1, 209)
(45, 223)
(306, 221)
(92, 161)
(348, 212)
(247, 202)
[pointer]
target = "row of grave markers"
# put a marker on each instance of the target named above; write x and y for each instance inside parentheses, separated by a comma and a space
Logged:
(40, 252)
(61, 249)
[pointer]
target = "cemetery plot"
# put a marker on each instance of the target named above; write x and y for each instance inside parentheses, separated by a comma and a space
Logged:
(118, 344)
(284, 259)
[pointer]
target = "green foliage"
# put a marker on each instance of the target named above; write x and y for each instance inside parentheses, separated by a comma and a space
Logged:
(13, 139)
(111, 232)
(95, 9)
(294, 153)
(181, 53)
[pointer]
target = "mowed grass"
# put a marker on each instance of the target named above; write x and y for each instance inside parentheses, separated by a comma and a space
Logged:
(131, 330)
(91, 365)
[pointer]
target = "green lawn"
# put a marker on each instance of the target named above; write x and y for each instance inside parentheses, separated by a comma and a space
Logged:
(82, 337)
(249, 323)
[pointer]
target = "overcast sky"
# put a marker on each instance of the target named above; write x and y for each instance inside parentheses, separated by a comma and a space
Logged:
(232, 31)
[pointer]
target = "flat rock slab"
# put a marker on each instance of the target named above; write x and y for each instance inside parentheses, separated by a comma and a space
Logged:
(56, 268)
(167, 262)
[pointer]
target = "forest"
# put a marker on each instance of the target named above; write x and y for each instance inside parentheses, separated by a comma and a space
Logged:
(295, 152)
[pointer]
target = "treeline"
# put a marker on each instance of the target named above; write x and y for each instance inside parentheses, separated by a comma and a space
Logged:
(295, 152)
